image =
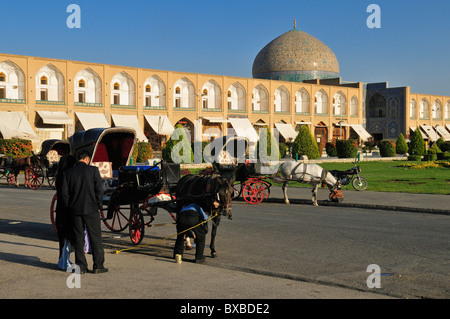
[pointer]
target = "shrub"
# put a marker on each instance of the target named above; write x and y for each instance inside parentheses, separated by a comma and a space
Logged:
(434, 149)
(445, 147)
(304, 144)
(387, 149)
(264, 146)
(330, 147)
(16, 147)
(180, 141)
(346, 148)
(414, 158)
(430, 157)
(142, 152)
(283, 149)
(400, 145)
(417, 144)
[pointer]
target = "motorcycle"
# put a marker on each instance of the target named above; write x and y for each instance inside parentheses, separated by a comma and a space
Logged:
(351, 175)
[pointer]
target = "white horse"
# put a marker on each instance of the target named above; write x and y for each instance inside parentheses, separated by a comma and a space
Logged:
(308, 173)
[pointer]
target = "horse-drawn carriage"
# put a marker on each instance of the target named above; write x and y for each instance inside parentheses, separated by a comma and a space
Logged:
(133, 193)
(36, 167)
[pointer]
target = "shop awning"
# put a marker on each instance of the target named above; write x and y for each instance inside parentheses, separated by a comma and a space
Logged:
(129, 121)
(92, 120)
(216, 119)
(160, 124)
(359, 129)
(303, 123)
(448, 127)
(287, 131)
(57, 118)
(244, 128)
(16, 125)
(443, 132)
(430, 132)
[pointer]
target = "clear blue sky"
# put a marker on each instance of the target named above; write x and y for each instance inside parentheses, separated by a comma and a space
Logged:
(412, 48)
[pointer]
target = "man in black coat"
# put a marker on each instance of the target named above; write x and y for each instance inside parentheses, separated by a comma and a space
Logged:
(82, 193)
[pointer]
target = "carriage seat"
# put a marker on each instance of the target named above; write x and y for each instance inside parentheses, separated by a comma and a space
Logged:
(105, 169)
(53, 156)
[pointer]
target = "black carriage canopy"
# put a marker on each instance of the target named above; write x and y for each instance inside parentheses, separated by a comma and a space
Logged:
(113, 144)
(60, 146)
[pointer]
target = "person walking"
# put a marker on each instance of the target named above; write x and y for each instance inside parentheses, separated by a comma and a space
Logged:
(82, 194)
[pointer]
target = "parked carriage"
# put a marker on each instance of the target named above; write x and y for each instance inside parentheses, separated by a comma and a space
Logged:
(130, 192)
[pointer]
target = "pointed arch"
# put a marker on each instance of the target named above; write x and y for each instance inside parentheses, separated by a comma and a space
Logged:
(13, 83)
(53, 88)
(87, 87)
(281, 99)
(437, 110)
(260, 99)
(339, 104)
(412, 109)
(236, 97)
(154, 92)
(125, 94)
(424, 109)
(211, 95)
(321, 102)
(302, 102)
(184, 93)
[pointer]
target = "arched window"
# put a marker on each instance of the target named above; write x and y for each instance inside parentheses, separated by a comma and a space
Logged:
(81, 83)
(321, 102)
(116, 86)
(44, 80)
(2, 77)
(424, 110)
(148, 88)
(412, 109)
(177, 90)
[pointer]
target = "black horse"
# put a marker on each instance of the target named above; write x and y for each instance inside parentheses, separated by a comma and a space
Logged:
(213, 193)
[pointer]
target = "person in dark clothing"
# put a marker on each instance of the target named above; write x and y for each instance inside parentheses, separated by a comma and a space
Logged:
(190, 216)
(82, 193)
(62, 218)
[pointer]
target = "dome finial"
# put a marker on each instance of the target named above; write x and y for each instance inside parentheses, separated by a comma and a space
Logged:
(295, 24)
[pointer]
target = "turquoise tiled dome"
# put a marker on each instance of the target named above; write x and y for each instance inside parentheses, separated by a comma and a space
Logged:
(295, 56)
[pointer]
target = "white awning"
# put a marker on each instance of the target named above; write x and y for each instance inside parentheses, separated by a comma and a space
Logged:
(16, 125)
(57, 118)
(359, 129)
(430, 132)
(448, 127)
(216, 119)
(92, 120)
(160, 124)
(303, 123)
(244, 128)
(287, 131)
(129, 121)
(443, 132)
(413, 128)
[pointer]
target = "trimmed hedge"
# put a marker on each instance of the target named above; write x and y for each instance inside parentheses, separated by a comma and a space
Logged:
(417, 144)
(387, 149)
(330, 147)
(142, 152)
(414, 158)
(305, 144)
(346, 148)
(401, 147)
(16, 147)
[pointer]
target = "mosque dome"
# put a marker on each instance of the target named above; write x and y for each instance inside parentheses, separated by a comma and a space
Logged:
(295, 56)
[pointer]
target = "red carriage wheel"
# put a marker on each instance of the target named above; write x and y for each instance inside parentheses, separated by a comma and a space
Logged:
(266, 186)
(53, 212)
(11, 178)
(35, 177)
(253, 192)
(118, 222)
(137, 227)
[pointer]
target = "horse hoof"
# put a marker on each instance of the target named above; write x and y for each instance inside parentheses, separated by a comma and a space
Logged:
(213, 254)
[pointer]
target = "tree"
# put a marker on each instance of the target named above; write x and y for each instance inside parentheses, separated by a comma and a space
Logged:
(267, 147)
(417, 144)
(400, 145)
(304, 144)
(178, 149)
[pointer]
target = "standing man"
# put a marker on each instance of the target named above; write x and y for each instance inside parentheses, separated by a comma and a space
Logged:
(82, 193)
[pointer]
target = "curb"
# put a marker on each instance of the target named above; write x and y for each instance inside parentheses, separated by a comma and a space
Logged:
(352, 205)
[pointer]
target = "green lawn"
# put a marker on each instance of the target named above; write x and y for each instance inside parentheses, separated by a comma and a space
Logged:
(391, 177)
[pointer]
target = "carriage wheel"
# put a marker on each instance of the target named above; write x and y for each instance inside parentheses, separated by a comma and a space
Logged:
(253, 192)
(51, 181)
(35, 177)
(237, 190)
(118, 222)
(266, 186)
(11, 178)
(137, 226)
(53, 212)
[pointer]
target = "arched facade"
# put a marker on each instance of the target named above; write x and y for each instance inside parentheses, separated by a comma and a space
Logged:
(87, 87)
(184, 94)
(50, 85)
(260, 99)
(302, 102)
(12, 81)
(123, 90)
(236, 97)
(282, 100)
(211, 95)
(154, 92)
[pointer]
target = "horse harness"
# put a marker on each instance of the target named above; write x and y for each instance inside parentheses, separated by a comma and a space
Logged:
(323, 176)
